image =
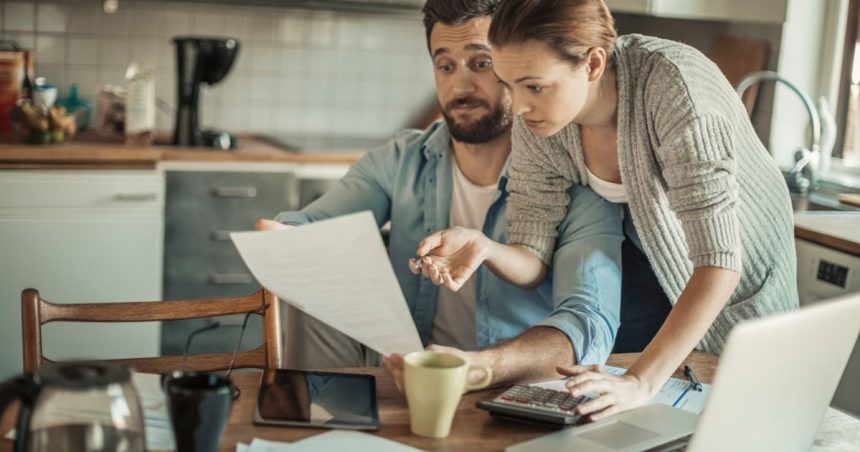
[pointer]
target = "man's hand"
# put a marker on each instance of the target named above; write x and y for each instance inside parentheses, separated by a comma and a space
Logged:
(268, 225)
(394, 363)
(450, 257)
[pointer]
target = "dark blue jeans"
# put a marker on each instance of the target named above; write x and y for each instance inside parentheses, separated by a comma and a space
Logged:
(644, 305)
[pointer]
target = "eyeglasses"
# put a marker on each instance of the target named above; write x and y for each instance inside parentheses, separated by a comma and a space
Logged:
(235, 392)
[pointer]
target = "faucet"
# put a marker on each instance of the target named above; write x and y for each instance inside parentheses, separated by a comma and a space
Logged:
(800, 177)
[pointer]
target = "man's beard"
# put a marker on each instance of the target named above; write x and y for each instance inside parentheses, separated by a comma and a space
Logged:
(485, 129)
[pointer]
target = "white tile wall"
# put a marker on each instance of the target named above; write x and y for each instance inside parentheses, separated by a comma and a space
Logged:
(83, 50)
(23, 39)
(51, 48)
(144, 20)
(298, 71)
(291, 28)
(84, 18)
(115, 24)
(113, 52)
(51, 17)
(208, 23)
(19, 16)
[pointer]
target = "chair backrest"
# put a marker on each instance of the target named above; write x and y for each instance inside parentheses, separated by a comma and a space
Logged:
(36, 312)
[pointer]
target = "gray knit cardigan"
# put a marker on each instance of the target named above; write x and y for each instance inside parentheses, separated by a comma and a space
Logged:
(702, 189)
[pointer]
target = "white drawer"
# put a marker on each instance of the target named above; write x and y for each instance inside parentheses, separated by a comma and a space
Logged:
(88, 189)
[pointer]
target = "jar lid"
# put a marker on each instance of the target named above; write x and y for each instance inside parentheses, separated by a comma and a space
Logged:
(83, 375)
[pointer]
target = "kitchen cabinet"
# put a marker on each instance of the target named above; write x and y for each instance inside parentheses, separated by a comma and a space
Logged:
(763, 11)
(828, 266)
(200, 261)
(80, 236)
(99, 235)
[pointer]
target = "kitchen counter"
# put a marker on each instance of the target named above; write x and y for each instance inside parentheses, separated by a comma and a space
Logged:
(90, 152)
(837, 230)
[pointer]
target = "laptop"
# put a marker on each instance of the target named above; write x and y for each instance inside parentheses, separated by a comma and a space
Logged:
(774, 382)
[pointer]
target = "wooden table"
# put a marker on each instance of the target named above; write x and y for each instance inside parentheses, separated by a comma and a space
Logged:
(473, 429)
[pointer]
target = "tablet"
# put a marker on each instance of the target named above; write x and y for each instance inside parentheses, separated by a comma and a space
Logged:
(317, 399)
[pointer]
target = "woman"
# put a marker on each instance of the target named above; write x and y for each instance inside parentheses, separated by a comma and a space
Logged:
(654, 126)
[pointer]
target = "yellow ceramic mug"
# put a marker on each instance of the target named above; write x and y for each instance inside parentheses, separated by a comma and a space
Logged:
(434, 384)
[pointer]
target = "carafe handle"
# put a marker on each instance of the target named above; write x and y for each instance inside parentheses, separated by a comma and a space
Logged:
(26, 389)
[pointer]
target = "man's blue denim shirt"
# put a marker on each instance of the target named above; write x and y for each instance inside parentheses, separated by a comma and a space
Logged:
(408, 182)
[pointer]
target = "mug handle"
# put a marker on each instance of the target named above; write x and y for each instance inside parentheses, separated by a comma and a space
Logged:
(488, 378)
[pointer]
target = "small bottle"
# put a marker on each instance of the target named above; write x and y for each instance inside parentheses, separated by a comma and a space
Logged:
(77, 107)
(27, 83)
(140, 106)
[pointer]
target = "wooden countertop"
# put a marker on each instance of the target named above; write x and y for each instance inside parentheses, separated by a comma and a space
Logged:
(91, 152)
(837, 230)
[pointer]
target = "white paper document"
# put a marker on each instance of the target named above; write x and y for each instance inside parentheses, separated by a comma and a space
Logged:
(335, 440)
(675, 390)
(337, 271)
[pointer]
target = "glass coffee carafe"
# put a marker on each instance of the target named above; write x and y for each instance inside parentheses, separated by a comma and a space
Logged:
(76, 407)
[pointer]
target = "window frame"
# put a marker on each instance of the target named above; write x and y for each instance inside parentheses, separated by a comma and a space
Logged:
(850, 40)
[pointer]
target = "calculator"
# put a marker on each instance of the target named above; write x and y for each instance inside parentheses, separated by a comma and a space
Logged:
(534, 404)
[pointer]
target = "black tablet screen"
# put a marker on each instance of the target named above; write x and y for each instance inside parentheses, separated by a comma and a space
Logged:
(318, 398)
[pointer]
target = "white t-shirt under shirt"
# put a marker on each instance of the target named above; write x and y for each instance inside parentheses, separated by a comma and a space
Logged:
(610, 191)
(454, 323)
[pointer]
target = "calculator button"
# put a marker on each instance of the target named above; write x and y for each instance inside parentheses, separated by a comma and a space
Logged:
(507, 397)
(522, 399)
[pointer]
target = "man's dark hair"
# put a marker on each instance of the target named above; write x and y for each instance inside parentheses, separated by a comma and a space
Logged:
(455, 12)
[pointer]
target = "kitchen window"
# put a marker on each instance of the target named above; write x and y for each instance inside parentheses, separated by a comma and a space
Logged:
(846, 153)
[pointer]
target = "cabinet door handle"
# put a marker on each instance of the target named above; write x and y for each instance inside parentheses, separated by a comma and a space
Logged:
(135, 197)
(234, 192)
(230, 278)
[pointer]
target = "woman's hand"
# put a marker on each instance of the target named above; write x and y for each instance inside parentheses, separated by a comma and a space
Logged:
(614, 393)
(269, 225)
(449, 257)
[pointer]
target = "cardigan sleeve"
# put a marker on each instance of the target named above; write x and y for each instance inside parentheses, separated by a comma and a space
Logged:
(537, 190)
(699, 169)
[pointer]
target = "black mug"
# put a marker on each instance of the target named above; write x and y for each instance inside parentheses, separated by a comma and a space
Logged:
(199, 406)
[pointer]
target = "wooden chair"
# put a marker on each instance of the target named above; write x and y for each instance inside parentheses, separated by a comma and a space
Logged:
(37, 312)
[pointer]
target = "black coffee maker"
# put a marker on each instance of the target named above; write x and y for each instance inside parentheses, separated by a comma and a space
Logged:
(200, 60)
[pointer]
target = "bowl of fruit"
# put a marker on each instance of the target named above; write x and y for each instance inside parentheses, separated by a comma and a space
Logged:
(34, 123)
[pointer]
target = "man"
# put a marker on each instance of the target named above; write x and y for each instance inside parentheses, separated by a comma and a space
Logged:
(454, 174)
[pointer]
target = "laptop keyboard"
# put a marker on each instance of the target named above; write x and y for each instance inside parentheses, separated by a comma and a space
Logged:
(541, 399)
(678, 445)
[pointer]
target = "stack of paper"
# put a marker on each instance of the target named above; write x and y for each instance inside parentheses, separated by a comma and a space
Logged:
(333, 440)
